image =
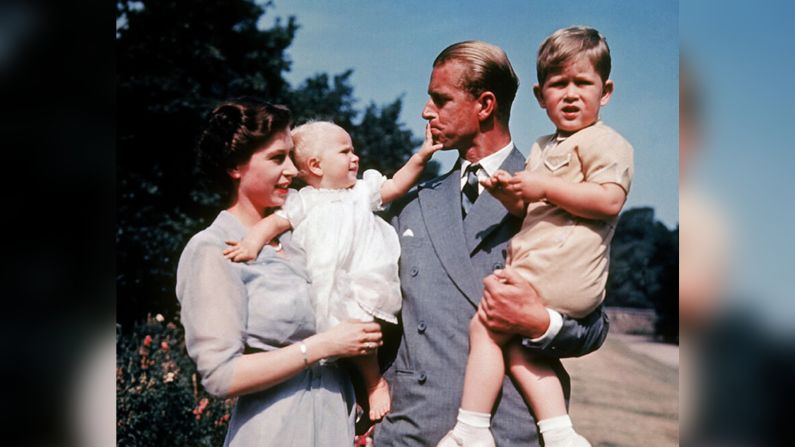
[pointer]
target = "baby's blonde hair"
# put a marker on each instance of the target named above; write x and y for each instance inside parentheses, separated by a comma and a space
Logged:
(308, 143)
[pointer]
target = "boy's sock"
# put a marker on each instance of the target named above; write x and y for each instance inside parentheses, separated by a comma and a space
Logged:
(473, 428)
(559, 432)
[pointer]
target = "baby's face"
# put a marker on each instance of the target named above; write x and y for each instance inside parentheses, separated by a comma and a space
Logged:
(337, 160)
(573, 95)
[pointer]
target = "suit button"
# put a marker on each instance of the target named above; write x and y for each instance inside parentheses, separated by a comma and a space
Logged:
(421, 327)
(422, 378)
(498, 266)
(414, 271)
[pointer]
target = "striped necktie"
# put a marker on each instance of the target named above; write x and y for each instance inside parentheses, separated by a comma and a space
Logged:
(469, 193)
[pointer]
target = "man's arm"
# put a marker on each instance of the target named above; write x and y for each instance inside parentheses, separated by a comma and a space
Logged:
(510, 304)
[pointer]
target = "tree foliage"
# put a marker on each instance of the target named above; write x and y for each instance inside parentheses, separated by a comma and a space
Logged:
(175, 62)
(644, 261)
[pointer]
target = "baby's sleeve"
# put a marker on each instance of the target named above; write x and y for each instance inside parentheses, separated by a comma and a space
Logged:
(293, 209)
(607, 159)
(373, 180)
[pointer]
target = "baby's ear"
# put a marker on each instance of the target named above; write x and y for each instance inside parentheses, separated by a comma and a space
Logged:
(313, 165)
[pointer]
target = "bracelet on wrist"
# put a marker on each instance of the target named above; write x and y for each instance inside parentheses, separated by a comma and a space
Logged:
(304, 352)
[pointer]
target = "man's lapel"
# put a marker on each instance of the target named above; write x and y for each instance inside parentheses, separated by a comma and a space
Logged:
(487, 213)
(440, 202)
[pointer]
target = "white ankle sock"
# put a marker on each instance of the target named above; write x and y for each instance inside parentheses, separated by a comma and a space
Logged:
(472, 425)
(557, 430)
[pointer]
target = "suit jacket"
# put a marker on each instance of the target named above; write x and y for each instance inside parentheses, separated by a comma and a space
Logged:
(444, 259)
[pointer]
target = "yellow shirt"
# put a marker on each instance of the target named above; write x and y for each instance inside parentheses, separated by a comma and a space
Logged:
(566, 257)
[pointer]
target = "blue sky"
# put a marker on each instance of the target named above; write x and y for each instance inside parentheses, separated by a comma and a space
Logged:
(742, 56)
(391, 46)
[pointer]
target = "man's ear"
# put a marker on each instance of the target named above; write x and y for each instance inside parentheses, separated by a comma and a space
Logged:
(234, 173)
(607, 92)
(313, 164)
(539, 96)
(488, 105)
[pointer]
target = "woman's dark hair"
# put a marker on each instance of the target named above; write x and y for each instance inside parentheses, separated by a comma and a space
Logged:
(237, 128)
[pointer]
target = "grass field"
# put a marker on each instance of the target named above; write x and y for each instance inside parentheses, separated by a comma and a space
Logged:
(623, 397)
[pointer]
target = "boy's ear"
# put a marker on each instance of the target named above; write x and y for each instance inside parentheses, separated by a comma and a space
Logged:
(607, 92)
(313, 164)
(539, 96)
(488, 105)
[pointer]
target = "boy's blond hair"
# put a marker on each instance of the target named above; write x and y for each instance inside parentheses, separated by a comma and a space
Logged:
(488, 69)
(309, 143)
(566, 44)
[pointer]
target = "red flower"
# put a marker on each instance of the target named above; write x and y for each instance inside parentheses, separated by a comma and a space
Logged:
(147, 340)
(164, 345)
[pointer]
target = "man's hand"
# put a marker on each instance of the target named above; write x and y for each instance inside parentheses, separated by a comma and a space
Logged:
(511, 305)
(498, 185)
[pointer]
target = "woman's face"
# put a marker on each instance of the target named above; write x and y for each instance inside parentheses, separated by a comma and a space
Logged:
(264, 178)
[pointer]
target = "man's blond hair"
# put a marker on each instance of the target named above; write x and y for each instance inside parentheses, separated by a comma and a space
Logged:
(564, 45)
(488, 69)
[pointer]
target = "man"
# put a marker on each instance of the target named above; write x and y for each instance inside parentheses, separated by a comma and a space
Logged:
(454, 234)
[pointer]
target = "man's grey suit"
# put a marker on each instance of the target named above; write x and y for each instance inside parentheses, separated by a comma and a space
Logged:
(442, 265)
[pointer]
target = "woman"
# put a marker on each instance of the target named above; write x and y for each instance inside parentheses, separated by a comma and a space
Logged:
(250, 327)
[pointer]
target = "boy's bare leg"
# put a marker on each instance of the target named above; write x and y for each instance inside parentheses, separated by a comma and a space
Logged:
(482, 383)
(485, 368)
(541, 387)
(377, 388)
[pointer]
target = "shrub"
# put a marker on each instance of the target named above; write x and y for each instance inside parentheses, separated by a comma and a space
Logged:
(159, 399)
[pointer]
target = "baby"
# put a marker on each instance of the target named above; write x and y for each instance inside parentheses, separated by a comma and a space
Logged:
(352, 254)
(570, 194)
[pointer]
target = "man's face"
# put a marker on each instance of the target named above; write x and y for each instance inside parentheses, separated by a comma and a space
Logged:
(451, 111)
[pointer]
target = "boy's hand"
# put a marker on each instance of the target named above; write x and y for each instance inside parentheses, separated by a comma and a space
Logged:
(530, 186)
(428, 148)
(499, 187)
(241, 251)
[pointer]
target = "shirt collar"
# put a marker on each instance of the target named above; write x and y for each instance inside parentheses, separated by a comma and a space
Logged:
(491, 162)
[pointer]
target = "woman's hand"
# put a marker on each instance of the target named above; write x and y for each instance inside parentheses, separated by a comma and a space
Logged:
(351, 338)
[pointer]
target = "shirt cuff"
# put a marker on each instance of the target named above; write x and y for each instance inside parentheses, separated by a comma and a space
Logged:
(555, 325)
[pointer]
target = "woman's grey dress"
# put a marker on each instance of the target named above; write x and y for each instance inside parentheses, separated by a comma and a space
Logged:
(261, 305)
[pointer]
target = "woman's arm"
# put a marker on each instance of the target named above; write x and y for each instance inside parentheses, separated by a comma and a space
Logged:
(262, 370)
(406, 176)
(214, 306)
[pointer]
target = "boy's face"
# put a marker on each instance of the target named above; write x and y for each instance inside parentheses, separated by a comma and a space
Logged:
(337, 160)
(573, 95)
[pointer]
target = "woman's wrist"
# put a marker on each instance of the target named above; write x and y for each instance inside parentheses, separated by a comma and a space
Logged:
(316, 349)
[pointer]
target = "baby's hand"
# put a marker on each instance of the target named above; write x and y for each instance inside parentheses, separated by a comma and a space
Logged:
(499, 187)
(241, 251)
(530, 186)
(428, 148)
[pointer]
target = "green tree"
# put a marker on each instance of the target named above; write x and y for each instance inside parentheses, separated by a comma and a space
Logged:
(644, 268)
(175, 62)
